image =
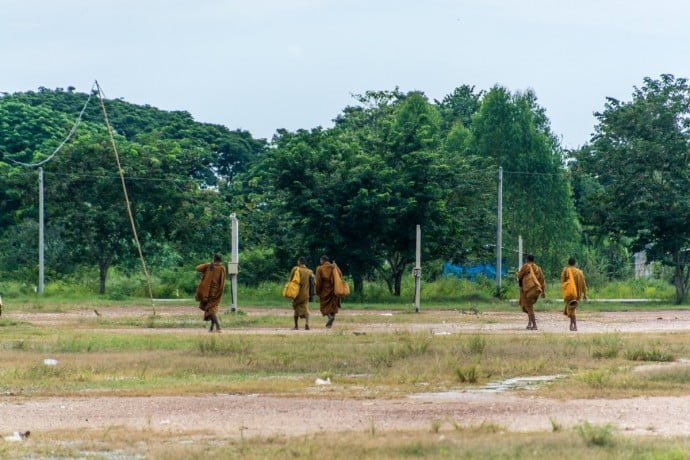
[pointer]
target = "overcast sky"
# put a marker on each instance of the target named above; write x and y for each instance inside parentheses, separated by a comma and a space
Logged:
(261, 65)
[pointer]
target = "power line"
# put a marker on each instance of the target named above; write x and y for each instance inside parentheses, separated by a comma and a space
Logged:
(65, 141)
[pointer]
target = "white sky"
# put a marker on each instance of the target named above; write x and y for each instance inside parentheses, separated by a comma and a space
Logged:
(261, 65)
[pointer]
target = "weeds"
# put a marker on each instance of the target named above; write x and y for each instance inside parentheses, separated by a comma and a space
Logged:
(555, 426)
(596, 435)
(607, 347)
(436, 426)
(469, 375)
(213, 346)
(476, 344)
(595, 378)
(648, 354)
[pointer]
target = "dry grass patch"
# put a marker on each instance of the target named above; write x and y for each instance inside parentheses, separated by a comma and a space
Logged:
(473, 442)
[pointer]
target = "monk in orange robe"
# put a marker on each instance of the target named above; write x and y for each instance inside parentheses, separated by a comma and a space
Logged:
(574, 289)
(300, 304)
(329, 302)
(532, 285)
(209, 293)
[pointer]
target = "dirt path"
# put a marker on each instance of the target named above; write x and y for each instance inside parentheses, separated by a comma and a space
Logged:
(437, 321)
(227, 415)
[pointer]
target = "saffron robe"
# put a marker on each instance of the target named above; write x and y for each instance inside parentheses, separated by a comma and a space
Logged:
(301, 303)
(209, 293)
(329, 303)
(574, 288)
(532, 285)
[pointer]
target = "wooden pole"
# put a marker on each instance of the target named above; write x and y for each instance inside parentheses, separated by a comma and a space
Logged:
(41, 237)
(234, 258)
(499, 233)
(417, 272)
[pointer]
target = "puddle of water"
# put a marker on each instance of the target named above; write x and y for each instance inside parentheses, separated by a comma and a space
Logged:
(516, 383)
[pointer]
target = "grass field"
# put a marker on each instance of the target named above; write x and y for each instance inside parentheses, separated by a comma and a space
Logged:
(374, 354)
(484, 441)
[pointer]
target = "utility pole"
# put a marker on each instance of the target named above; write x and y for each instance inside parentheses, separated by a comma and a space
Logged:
(499, 232)
(520, 259)
(233, 268)
(417, 271)
(41, 245)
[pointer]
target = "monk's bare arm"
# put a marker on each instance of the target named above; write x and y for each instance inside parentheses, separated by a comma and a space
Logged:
(201, 267)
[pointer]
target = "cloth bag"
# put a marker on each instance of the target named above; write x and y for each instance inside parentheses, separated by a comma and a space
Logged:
(340, 287)
(291, 289)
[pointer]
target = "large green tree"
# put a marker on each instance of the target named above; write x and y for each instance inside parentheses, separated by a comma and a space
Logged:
(637, 173)
(356, 191)
(512, 131)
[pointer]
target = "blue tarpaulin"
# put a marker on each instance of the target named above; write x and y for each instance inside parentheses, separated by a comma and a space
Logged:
(471, 272)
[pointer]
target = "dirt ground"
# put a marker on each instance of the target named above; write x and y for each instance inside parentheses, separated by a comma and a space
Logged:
(228, 415)
(435, 321)
(252, 415)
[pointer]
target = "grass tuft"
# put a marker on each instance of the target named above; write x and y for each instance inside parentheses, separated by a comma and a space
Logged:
(648, 354)
(596, 435)
(469, 375)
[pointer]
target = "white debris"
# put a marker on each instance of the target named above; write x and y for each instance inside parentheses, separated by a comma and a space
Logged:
(319, 381)
(17, 436)
(50, 362)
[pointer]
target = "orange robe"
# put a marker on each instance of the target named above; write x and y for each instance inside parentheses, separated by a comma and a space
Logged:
(209, 293)
(532, 285)
(329, 303)
(301, 303)
(574, 288)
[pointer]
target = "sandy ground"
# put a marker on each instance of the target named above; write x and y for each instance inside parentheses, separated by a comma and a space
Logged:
(435, 321)
(227, 415)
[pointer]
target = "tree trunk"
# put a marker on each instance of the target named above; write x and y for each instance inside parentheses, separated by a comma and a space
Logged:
(398, 281)
(398, 265)
(358, 282)
(103, 266)
(681, 281)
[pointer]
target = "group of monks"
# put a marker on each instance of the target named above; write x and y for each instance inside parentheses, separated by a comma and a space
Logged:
(209, 293)
(532, 286)
(320, 284)
(530, 278)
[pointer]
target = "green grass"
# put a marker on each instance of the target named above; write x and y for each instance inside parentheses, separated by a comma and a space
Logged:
(441, 441)
(135, 361)
(446, 291)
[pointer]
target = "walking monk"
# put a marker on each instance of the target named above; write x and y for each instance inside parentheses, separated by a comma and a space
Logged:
(329, 302)
(301, 303)
(532, 285)
(209, 293)
(574, 289)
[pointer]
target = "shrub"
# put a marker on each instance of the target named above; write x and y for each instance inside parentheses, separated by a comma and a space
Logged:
(469, 375)
(596, 435)
(476, 344)
(608, 346)
(648, 354)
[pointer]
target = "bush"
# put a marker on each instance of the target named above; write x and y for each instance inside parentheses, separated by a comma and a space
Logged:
(648, 354)
(608, 346)
(596, 435)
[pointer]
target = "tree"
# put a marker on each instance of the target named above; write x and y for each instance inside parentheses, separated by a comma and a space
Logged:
(512, 131)
(639, 158)
(357, 191)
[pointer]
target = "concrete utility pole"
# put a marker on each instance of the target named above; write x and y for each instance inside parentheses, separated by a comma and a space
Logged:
(41, 245)
(417, 271)
(233, 267)
(520, 259)
(499, 232)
